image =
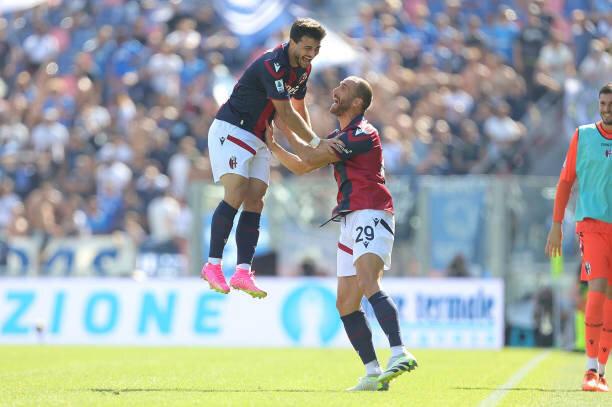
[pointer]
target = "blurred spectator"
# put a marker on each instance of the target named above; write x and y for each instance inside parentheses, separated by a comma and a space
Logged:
(527, 47)
(457, 267)
(8, 202)
(596, 68)
(41, 46)
(504, 133)
(50, 135)
(555, 64)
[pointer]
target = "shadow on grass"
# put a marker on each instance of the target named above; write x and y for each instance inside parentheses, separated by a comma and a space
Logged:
(521, 389)
(160, 390)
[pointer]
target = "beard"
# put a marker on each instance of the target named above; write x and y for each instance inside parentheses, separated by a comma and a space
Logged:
(339, 108)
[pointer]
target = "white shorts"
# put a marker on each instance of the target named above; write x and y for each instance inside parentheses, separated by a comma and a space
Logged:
(234, 150)
(364, 231)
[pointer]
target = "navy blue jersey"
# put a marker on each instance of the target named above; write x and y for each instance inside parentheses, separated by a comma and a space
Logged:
(360, 174)
(269, 77)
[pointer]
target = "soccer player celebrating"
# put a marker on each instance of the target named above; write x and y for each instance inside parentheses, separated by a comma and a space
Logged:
(589, 160)
(240, 159)
(365, 210)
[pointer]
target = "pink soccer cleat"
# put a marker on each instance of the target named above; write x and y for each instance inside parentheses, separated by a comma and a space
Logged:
(214, 275)
(244, 280)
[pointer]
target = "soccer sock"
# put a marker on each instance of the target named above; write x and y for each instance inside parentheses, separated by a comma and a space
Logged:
(605, 339)
(386, 314)
(359, 333)
(397, 351)
(373, 368)
(247, 234)
(221, 226)
(593, 318)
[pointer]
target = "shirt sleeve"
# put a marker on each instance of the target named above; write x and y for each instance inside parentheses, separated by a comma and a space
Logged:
(566, 180)
(271, 76)
(354, 144)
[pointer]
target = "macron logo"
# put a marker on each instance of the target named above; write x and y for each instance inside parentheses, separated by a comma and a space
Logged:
(359, 132)
(276, 66)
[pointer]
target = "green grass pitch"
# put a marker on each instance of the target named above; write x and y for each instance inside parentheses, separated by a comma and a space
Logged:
(158, 376)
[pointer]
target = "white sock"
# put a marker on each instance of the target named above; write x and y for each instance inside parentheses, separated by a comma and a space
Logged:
(591, 363)
(397, 351)
(213, 260)
(244, 266)
(373, 368)
(601, 370)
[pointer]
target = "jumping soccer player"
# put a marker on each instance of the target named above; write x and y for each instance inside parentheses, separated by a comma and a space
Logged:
(365, 210)
(589, 160)
(240, 159)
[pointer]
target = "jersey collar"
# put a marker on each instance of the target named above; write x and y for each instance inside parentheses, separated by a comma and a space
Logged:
(354, 123)
(603, 131)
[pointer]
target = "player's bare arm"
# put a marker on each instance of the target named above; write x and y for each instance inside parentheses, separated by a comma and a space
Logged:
(289, 160)
(300, 108)
(299, 126)
(306, 159)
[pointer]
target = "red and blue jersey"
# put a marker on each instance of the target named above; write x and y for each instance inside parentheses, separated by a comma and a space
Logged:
(269, 77)
(360, 174)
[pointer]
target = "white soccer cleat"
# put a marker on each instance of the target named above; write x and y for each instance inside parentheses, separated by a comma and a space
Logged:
(398, 365)
(369, 383)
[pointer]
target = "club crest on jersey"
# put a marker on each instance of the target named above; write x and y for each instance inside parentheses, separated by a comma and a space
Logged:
(280, 86)
(587, 268)
(276, 66)
(233, 162)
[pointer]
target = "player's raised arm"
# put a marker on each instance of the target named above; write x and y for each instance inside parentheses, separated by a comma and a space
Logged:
(562, 195)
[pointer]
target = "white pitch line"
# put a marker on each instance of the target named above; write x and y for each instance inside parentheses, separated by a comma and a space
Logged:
(495, 397)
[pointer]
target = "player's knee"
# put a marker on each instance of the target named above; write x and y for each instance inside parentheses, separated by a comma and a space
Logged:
(235, 195)
(345, 305)
(253, 204)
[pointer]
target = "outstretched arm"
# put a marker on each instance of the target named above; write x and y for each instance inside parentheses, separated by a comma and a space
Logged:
(289, 160)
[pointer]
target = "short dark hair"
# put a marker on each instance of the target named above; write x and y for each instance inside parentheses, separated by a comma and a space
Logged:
(606, 89)
(307, 27)
(363, 91)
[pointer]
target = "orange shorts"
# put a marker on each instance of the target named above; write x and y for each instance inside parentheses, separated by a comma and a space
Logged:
(596, 251)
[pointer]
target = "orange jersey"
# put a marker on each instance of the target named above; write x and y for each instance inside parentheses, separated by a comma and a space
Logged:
(566, 182)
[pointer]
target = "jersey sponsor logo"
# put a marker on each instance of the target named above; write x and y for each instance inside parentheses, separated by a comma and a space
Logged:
(276, 66)
(346, 150)
(292, 90)
(608, 153)
(587, 268)
(233, 162)
(280, 86)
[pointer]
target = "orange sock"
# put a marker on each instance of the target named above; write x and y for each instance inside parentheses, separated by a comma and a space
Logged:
(605, 338)
(593, 318)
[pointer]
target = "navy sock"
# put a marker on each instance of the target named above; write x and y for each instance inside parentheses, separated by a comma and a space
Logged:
(387, 316)
(222, 222)
(247, 235)
(359, 333)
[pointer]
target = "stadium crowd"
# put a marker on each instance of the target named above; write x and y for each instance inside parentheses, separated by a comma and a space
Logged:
(105, 105)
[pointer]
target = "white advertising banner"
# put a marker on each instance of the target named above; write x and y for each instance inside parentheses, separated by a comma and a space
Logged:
(103, 255)
(440, 313)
